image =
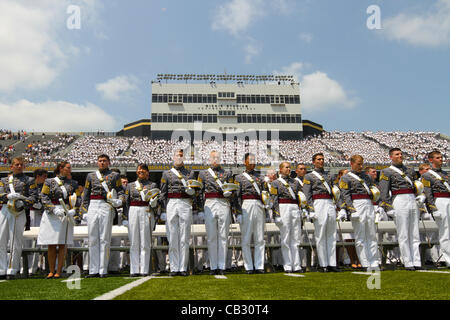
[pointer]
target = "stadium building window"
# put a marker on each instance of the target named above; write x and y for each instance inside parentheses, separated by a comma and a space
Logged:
(297, 99)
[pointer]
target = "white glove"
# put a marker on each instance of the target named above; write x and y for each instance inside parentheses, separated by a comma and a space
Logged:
(391, 213)
(420, 199)
(72, 212)
(313, 216)
(14, 196)
(305, 214)
(341, 215)
(377, 217)
(154, 202)
(59, 212)
(227, 194)
(266, 206)
(37, 206)
(277, 219)
(116, 202)
(437, 214)
(239, 218)
(125, 223)
(163, 216)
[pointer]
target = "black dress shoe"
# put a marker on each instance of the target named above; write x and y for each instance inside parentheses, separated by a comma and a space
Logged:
(10, 277)
(173, 274)
(94, 275)
(260, 271)
(249, 272)
(144, 274)
(184, 274)
(322, 269)
(334, 269)
(299, 271)
(410, 269)
(103, 276)
(288, 271)
(3, 277)
(220, 272)
(418, 268)
(213, 272)
(134, 275)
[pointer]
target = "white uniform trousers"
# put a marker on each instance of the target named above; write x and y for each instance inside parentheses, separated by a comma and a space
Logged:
(443, 222)
(178, 229)
(363, 221)
(33, 259)
(325, 232)
(99, 217)
(407, 223)
(8, 232)
(140, 242)
(290, 235)
(253, 219)
(217, 223)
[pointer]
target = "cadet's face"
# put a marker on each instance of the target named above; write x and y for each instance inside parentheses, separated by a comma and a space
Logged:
(124, 181)
(425, 169)
(214, 159)
(300, 171)
(41, 179)
(397, 157)
(102, 163)
(66, 170)
(178, 158)
(437, 161)
(250, 163)
(285, 169)
(357, 165)
(142, 174)
(372, 173)
(319, 162)
(17, 167)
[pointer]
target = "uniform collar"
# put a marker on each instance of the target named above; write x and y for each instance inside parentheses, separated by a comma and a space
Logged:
(142, 181)
(250, 172)
(357, 173)
(61, 177)
(285, 177)
(398, 165)
(18, 175)
(103, 171)
(216, 168)
(322, 170)
(179, 167)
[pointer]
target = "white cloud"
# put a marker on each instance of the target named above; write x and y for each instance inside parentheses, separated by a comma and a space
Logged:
(237, 15)
(32, 47)
(306, 37)
(251, 50)
(58, 116)
(428, 29)
(318, 92)
(115, 88)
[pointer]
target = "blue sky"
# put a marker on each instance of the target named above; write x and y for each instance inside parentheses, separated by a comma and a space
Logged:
(98, 76)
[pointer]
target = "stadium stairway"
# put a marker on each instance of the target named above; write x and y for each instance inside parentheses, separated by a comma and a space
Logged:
(22, 146)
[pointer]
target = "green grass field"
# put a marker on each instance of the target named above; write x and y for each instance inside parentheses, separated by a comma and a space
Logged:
(395, 285)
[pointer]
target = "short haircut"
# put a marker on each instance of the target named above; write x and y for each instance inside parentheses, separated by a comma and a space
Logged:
(143, 166)
(59, 166)
(356, 157)
(104, 156)
(282, 163)
(248, 154)
(123, 176)
(300, 164)
(368, 168)
(341, 172)
(178, 150)
(433, 153)
(391, 151)
(116, 170)
(40, 172)
(423, 166)
(18, 159)
(316, 155)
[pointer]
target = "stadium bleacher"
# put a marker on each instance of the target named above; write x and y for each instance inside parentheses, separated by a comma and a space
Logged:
(337, 146)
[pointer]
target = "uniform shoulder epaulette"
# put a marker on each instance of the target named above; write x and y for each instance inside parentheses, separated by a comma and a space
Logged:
(343, 184)
(426, 183)
(306, 181)
(273, 190)
(45, 189)
(383, 176)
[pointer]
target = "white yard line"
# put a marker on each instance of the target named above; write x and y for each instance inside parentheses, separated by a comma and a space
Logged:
(365, 273)
(220, 277)
(447, 272)
(70, 280)
(2, 280)
(293, 275)
(117, 292)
